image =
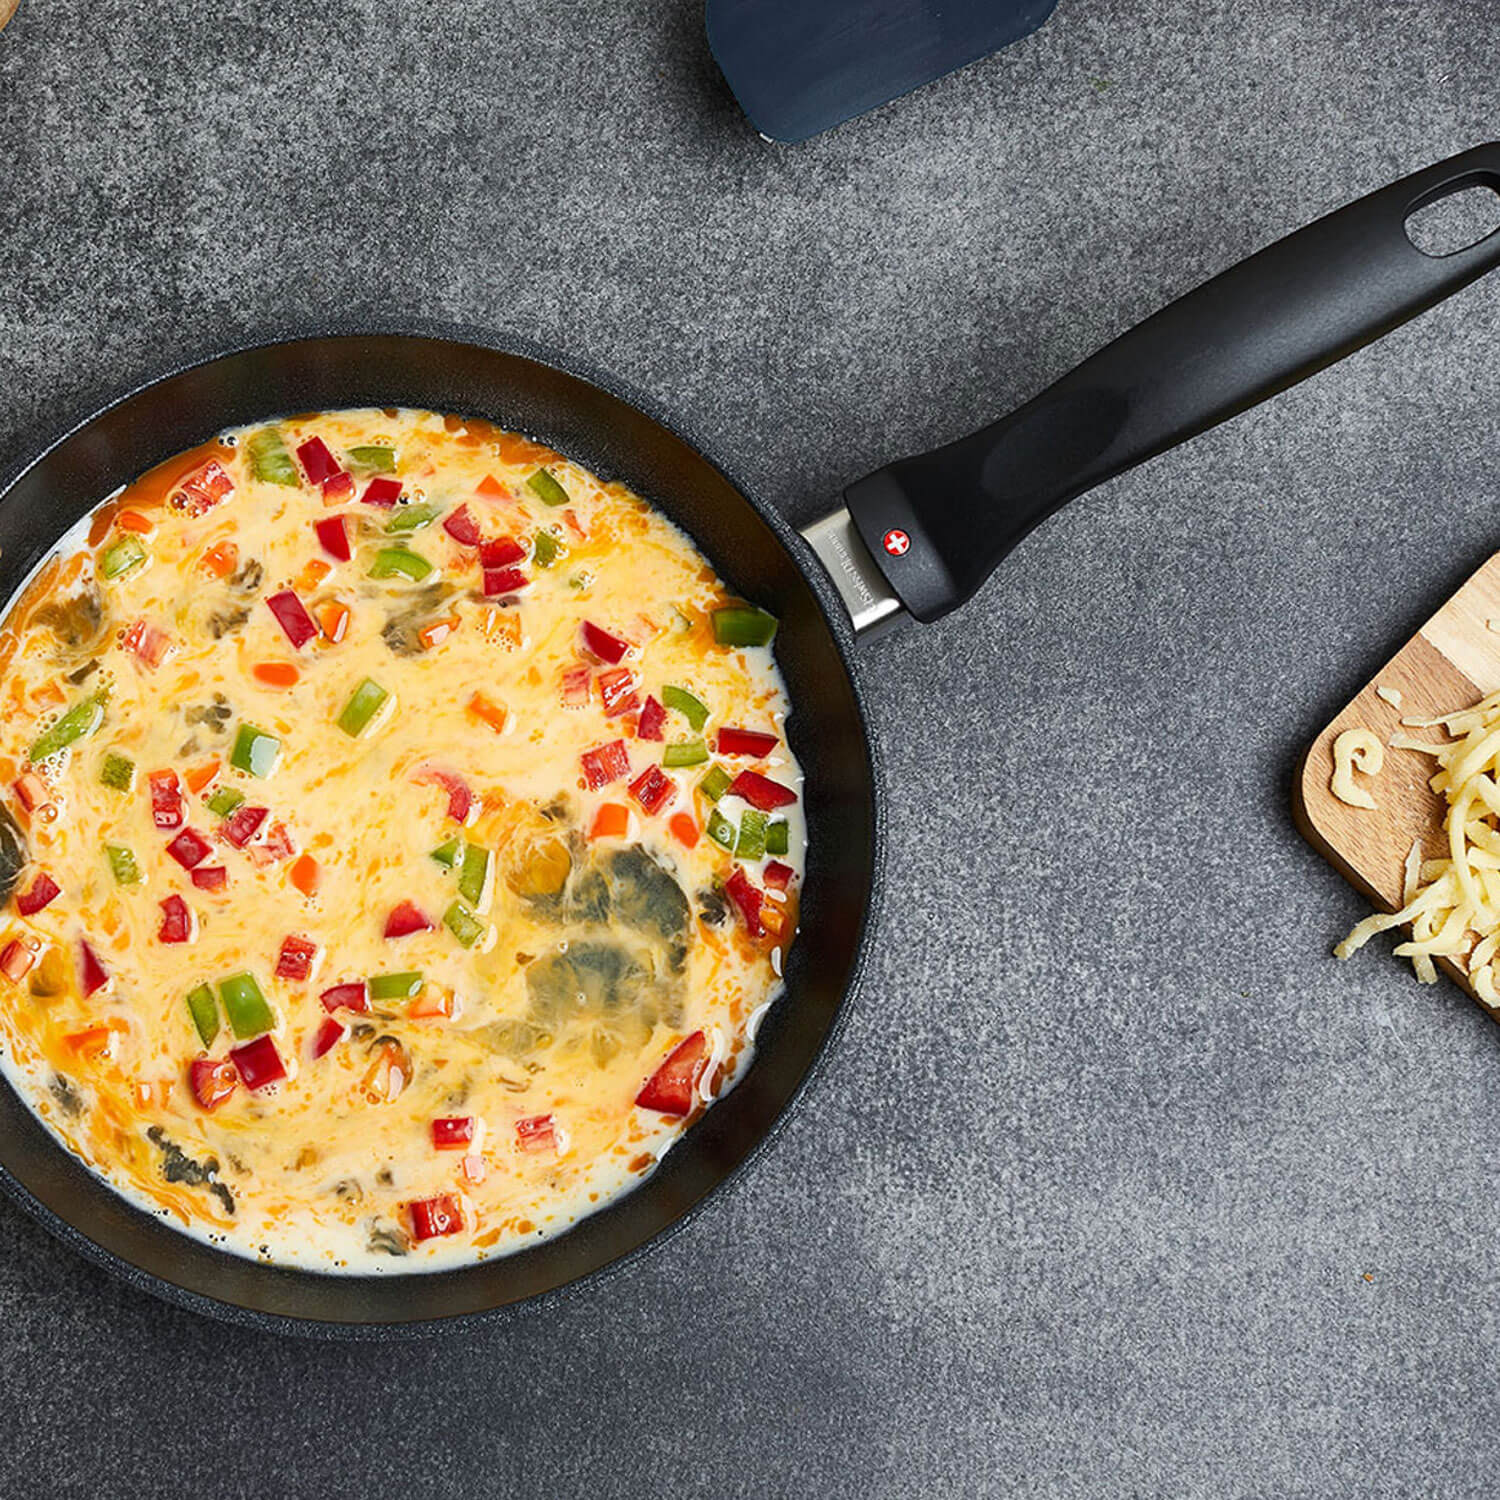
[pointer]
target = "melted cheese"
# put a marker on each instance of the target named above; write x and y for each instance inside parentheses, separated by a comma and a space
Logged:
(597, 956)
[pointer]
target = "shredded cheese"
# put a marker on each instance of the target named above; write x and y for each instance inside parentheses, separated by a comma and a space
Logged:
(1355, 750)
(1389, 695)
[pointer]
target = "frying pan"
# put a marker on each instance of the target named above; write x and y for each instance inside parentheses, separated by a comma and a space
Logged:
(911, 541)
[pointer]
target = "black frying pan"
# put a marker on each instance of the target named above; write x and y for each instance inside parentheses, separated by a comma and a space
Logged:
(912, 540)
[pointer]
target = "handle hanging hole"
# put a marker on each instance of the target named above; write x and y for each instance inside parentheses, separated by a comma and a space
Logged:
(1457, 221)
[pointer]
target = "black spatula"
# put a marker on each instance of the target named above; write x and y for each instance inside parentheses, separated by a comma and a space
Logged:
(802, 66)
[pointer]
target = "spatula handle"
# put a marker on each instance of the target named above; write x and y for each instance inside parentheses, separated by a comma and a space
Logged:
(938, 524)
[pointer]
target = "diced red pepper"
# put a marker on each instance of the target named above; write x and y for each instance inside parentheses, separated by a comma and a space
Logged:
(751, 742)
(406, 919)
(461, 800)
(382, 491)
(210, 877)
(202, 489)
(167, 807)
(575, 686)
(18, 957)
(258, 1063)
(148, 642)
(190, 848)
(747, 897)
(653, 717)
(354, 995)
(503, 552)
(338, 488)
(602, 645)
(462, 527)
(295, 961)
(778, 874)
(176, 920)
(671, 1089)
(291, 614)
(537, 1133)
(243, 824)
(504, 581)
(317, 462)
(431, 1217)
(452, 1132)
(328, 1036)
(279, 845)
(605, 764)
(617, 690)
(761, 792)
(30, 790)
(333, 536)
(92, 975)
(212, 1080)
(43, 889)
(652, 789)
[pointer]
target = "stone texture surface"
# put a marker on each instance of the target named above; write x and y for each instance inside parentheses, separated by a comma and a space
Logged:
(1084, 1203)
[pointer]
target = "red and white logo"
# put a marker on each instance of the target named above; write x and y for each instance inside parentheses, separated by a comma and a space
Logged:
(896, 542)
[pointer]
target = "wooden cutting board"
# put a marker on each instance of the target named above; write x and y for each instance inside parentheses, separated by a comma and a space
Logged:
(1450, 663)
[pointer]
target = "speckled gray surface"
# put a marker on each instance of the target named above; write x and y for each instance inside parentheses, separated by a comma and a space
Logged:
(1084, 1203)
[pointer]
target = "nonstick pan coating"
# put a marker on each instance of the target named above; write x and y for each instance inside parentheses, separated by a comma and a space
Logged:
(751, 548)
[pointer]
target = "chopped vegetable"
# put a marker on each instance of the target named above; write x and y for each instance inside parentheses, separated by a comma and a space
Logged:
(747, 898)
(721, 830)
(685, 753)
(395, 986)
(671, 1089)
(653, 716)
(212, 1080)
(576, 682)
(373, 458)
(255, 751)
(461, 801)
(243, 823)
(653, 790)
(296, 958)
(200, 776)
(304, 874)
(338, 488)
(405, 919)
(190, 848)
(751, 843)
(121, 558)
(684, 829)
(778, 837)
(31, 791)
(333, 620)
(537, 1133)
(167, 807)
(452, 1132)
(393, 562)
(447, 854)
(133, 520)
(487, 711)
(364, 704)
(609, 649)
(432, 1217)
(43, 890)
(617, 691)
(275, 674)
(503, 581)
(612, 821)
(463, 924)
(245, 1006)
(605, 764)
(462, 527)
(544, 549)
(201, 490)
(80, 720)
(317, 462)
(352, 995)
(291, 614)
(761, 792)
(333, 537)
(715, 783)
(545, 487)
(382, 492)
(122, 864)
(204, 1010)
(328, 1035)
(221, 559)
(18, 956)
(491, 487)
(694, 710)
(150, 644)
(502, 552)
(92, 975)
(269, 460)
(117, 772)
(778, 874)
(412, 518)
(258, 1063)
(751, 742)
(743, 625)
(474, 878)
(210, 877)
(177, 922)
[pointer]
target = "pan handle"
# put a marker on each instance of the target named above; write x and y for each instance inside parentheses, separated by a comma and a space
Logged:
(937, 525)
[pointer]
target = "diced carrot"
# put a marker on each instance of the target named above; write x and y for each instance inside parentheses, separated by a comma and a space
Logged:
(771, 918)
(612, 821)
(502, 626)
(512, 448)
(487, 711)
(199, 776)
(333, 618)
(49, 695)
(433, 1003)
(304, 874)
(490, 486)
(92, 1042)
(684, 829)
(313, 574)
(133, 520)
(222, 559)
(439, 630)
(275, 674)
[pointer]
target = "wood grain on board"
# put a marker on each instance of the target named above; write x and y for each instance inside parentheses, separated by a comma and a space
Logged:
(1450, 663)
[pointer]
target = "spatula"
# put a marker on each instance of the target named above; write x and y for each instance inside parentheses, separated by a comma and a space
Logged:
(803, 66)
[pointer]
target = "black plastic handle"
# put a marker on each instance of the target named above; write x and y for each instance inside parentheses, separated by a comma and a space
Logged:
(939, 524)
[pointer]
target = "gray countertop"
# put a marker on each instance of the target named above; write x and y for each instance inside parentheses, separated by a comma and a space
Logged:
(1116, 1184)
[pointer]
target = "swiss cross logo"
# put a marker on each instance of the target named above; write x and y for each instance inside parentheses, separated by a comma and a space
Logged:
(896, 542)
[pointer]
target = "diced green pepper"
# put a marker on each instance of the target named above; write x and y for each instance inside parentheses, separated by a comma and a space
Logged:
(715, 784)
(80, 720)
(752, 840)
(364, 703)
(205, 1013)
(721, 830)
(249, 1014)
(121, 557)
(224, 801)
(255, 751)
(117, 772)
(778, 837)
(743, 625)
(395, 986)
(393, 562)
(447, 854)
(546, 488)
(122, 863)
(463, 924)
(373, 459)
(544, 549)
(474, 878)
(412, 518)
(685, 753)
(269, 459)
(694, 710)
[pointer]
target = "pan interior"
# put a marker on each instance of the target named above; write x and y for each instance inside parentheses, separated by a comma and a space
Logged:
(616, 440)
